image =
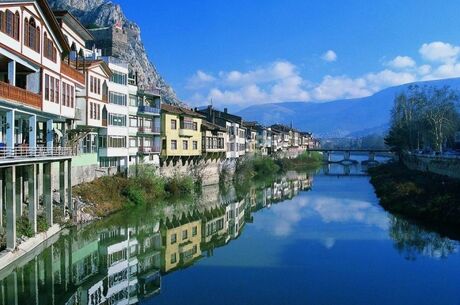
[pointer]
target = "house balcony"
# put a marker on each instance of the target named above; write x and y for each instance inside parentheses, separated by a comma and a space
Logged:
(184, 132)
(104, 123)
(149, 110)
(155, 149)
(149, 130)
(20, 95)
(24, 154)
(72, 73)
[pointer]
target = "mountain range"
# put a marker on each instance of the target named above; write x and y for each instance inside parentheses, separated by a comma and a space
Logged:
(341, 118)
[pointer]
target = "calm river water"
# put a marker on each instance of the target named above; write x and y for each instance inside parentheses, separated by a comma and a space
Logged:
(318, 238)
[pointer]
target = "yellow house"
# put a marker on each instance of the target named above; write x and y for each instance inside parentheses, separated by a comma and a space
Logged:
(180, 131)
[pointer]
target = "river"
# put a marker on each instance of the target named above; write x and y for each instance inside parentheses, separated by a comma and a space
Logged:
(317, 238)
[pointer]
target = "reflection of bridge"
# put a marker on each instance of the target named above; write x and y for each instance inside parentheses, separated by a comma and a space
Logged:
(347, 154)
(346, 171)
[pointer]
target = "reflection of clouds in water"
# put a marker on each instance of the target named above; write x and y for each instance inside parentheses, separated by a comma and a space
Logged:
(329, 242)
(330, 210)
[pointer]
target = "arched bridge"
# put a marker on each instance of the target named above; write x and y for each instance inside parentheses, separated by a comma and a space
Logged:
(347, 152)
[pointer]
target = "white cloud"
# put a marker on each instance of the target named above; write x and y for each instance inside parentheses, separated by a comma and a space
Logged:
(277, 81)
(329, 56)
(424, 69)
(199, 80)
(337, 87)
(401, 62)
(281, 80)
(439, 51)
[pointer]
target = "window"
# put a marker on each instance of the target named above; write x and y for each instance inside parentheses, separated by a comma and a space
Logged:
(47, 87)
(52, 89)
(50, 51)
(188, 123)
(133, 101)
(95, 85)
(195, 126)
(64, 94)
(133, 121)
(57, 94)
(173, 124)
(133, 142)
(117, 119)
(108, 162)
(185, 144)
(114, 141)
(117, 98)
(184, 235)
(173, 258)
(195, 145)
(119, 78)
(95, 111)
(88, 144)
(9, 23)
(173, 238)
(194, 231)
(67, 96)
(173, 144)
(91, 84)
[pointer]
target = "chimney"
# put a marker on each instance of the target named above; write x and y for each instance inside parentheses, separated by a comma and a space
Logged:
(225, 110)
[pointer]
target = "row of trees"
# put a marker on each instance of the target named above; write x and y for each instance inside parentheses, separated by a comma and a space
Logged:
(424, 117)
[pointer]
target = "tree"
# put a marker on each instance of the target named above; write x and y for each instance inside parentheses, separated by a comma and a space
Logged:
(424, 116)
(441, 115)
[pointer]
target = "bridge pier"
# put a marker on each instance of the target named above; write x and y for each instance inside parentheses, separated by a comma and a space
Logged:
(371, 156)
(346, 155)
(326, 156)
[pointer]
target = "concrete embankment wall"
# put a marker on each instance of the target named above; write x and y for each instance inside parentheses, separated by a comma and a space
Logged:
(438, 165)
(208, 171)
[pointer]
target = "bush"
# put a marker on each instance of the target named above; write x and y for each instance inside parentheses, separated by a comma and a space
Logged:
(23, 227)
(148, 181)
(258, 167)
(135, 194)
(180, 185)
(304, 161)
(42, 224)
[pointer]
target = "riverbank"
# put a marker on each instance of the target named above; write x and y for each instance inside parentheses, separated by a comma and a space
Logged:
(109, 194)
(422, 196)
(265, 166)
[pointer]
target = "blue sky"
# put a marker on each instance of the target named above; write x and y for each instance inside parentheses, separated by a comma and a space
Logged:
(244, 52)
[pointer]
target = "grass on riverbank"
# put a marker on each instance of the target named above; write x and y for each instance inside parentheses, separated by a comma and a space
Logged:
(422, 196)
(110, 194)
(304, 162)
(262, 166)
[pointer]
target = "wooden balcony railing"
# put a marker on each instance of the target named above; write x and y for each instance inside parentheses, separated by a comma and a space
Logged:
(104, 122)
(20, 95)
(72, 73)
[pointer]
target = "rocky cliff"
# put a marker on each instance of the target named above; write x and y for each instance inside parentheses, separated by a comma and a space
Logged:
(103, 13)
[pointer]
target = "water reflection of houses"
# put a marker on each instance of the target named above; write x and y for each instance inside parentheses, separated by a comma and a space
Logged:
(122, 264)
(181, 237)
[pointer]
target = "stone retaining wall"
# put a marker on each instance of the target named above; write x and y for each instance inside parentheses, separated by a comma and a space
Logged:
(438, 165)
(208, 171)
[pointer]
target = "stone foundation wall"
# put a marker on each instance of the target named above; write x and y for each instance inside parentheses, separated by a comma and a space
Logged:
(438, 165)
(208, 170)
